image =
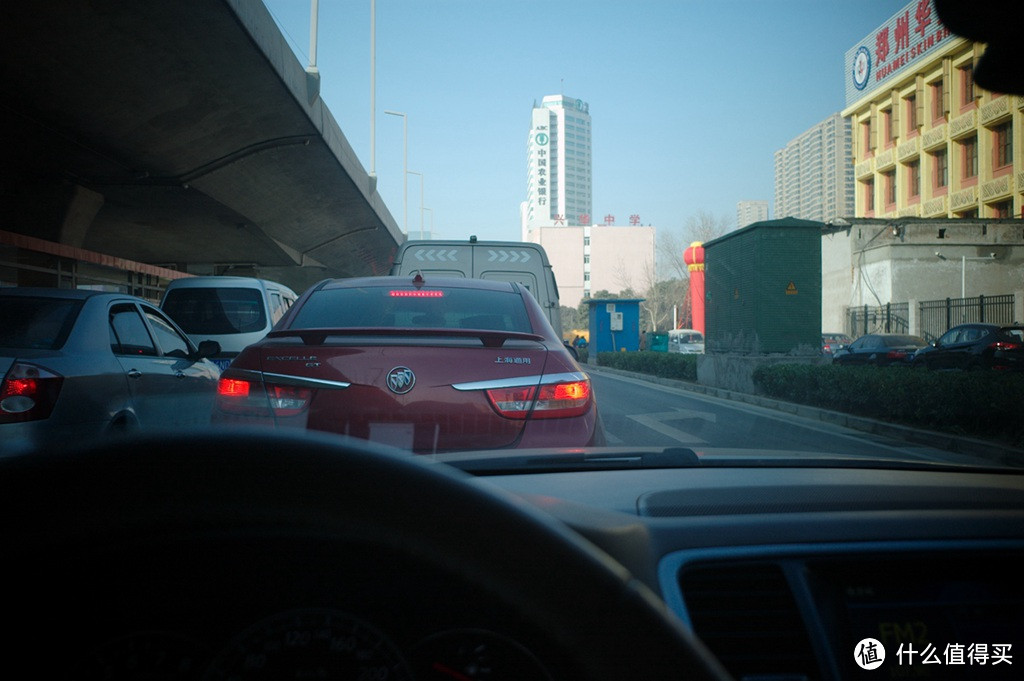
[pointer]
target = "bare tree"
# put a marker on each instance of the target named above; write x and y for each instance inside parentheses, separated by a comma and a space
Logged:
(702, 226)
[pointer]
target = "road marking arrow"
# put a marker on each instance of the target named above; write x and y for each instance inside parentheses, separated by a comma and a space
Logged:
(656, 422)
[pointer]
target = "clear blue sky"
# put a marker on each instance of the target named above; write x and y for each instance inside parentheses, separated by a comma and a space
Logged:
(689, 98)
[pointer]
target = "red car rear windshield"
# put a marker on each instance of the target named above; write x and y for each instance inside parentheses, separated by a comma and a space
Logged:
(409, 307)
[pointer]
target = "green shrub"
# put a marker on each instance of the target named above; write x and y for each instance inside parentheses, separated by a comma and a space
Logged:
(666, 365)
(983, 404)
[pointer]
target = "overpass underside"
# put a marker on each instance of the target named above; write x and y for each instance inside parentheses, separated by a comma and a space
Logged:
(180, 134)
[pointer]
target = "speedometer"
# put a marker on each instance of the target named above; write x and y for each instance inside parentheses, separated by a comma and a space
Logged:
(310, 644)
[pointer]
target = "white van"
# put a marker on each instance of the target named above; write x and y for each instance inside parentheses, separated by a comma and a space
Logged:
(519, 261)
(686, 341)
(234, 311)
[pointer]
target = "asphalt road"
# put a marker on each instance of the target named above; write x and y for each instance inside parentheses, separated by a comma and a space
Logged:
(637, 412)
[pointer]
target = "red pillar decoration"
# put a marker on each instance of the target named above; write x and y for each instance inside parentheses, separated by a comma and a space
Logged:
(694, 259)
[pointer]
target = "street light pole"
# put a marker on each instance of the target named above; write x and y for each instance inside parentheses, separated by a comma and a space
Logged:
(963, 269)
(405, 167)
(431, 221)
(413, 172)
(373, 96)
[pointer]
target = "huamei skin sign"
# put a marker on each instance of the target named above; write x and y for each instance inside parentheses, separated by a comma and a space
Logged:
(893, 48)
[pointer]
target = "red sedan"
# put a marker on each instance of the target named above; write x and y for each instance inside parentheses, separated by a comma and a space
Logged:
(425, 365)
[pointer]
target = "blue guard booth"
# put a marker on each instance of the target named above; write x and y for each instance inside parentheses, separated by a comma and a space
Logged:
(614, 324)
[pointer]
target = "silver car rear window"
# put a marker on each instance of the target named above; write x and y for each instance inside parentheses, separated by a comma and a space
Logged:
(36, 323)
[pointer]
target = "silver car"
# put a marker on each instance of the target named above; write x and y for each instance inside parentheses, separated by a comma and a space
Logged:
(75, 364)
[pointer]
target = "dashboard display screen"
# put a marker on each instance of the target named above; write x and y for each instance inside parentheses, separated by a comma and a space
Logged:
(935, 617)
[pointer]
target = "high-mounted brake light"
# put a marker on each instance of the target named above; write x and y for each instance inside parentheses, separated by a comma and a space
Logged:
(406, 293)
(551, 401)
(28, 393)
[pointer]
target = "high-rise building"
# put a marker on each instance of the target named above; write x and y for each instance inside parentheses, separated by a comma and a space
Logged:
(814, 173)
(559, 169)
(749, 212)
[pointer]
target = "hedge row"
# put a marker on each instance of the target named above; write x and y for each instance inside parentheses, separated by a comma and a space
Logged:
(981, 404)
(666, 365)
(976, 404)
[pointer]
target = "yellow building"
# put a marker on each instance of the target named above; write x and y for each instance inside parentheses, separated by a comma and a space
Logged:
(926, 141)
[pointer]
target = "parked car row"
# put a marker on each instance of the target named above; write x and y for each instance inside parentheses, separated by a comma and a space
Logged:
(880, 349)
(964, 347)
(428, 366)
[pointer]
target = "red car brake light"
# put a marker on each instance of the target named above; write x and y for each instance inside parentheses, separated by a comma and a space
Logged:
(239, 396)
(254, 398)
(552, 401)
(1006, 345)
(896, 354)
(28, 393)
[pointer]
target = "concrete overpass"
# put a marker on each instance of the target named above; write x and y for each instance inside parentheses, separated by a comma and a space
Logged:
(181, 133)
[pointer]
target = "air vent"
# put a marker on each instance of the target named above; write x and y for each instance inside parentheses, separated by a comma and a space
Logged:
(745, 613)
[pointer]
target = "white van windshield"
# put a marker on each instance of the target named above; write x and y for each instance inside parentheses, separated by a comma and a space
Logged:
(216, 310)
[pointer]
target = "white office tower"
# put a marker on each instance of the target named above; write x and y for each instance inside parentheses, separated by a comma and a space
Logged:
(559, 169)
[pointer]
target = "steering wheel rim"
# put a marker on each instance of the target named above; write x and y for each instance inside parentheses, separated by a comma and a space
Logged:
(354, 490)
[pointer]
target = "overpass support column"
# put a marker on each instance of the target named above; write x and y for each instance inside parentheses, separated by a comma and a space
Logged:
(81, 208)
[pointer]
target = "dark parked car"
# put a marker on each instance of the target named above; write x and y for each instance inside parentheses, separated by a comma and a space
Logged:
(428, 365)
(830, 342)
(76, 364)
(880, 349)
(975, 346)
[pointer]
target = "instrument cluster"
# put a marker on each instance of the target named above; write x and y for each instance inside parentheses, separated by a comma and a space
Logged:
(303, 610)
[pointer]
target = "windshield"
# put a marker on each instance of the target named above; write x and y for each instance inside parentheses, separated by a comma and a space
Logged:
(619, 227)
(216, 311)
(409, 307)
(36, 323)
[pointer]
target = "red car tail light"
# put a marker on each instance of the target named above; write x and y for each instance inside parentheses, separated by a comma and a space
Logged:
(1005, 345)
(512, 403)
(239, 396)
(895, 354)
(28, 393)
(288, 400)
(255, 398)
(551, 401)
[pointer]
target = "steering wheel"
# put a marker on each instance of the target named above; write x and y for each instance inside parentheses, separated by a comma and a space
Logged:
(610, 625)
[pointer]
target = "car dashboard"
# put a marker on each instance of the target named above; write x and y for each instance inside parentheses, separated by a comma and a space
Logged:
(783, 572)
(256, 556)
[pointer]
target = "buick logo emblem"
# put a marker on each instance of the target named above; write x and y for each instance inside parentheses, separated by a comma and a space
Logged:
(401, 380)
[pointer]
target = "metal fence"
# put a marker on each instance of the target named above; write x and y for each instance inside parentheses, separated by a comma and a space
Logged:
(938, 316)
(935, 317)
(888, 318)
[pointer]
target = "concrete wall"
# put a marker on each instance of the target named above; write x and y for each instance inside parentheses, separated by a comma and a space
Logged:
(735, 372)
(873, 262)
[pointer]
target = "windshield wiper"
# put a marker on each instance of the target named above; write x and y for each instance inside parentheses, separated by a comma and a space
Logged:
(548, 461)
